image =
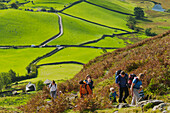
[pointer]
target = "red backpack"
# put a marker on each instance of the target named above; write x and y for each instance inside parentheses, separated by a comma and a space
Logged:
(131, 77)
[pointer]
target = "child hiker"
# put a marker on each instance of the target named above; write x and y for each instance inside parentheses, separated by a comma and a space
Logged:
(112, 95)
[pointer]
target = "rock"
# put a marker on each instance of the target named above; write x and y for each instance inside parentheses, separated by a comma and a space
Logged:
(157, 102)
(168, 108)
(123, 105)
(14, 92)
(142, 103)
(164, 111)
(160, 107)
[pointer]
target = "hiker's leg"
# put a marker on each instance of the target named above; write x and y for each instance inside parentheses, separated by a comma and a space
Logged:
(114, 99)
(55, 94)
(126, 93)
(120, 94)
(51, 94)
(136, 93)
(133, 99)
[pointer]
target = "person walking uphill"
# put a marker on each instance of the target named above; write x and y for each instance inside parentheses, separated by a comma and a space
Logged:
(136, 88)
(122, 83)
(89, 81)
(53, 89)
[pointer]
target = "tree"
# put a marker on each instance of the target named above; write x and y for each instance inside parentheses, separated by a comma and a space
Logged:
(14, 5)
(5, 78)
(12, 75)
(52, 9)
(138, 12)
(131, 22)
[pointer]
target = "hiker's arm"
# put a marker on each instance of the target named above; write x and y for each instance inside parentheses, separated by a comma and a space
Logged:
(140, 89)
(132, 88)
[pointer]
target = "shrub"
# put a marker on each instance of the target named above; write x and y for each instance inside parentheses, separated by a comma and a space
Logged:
(149, 33)
(43, 9)
(52, 9)
(39, 85)
(14, 5)
(148, 106)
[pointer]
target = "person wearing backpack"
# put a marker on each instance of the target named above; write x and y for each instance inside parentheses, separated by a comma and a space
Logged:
(84, 89)
(89, 81)
(122, 83)
(136, 87)
(53, 89)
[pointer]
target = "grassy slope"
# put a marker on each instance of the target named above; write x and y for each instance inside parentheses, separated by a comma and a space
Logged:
(56, 4)
(109, 42)
(152, 58)
(77, 31)
(100, 15)
(18, 59)
(118, 5)
(21, 27)
(73, 54)
(56, 72)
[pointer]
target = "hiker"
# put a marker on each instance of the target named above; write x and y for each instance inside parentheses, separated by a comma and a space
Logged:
(89, 81)
(122, 83)
(53, 89)
(112, 95)
(84, 89)
(136, 88)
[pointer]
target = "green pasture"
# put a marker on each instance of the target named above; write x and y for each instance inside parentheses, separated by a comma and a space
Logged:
(24, 27)
(109, 42)
(56, 72)
(77, 31)
(19, 59)
(118, 5)
(99, 15)
(83, 55)
(56, 4)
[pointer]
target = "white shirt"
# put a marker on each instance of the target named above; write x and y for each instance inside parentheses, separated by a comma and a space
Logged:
(53, 87)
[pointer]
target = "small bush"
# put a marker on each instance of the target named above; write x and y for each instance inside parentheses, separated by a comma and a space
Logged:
(149, 33)
(39, 85)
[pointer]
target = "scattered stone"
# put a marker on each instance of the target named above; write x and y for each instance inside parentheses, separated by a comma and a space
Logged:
(123, 105)
(168, 108)
(164, 111)
(160, 107)
(155, 102)
(14, 92)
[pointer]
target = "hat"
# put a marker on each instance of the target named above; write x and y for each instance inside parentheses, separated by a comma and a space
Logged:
(111, 89)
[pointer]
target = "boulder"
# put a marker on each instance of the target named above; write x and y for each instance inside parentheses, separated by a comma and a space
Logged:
(123, 105)
(160, 107)
(14, 92)
(155, 102)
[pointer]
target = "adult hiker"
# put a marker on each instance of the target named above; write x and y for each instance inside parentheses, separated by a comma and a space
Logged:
(53, 89)
(112, 95)
(89, 81)
(122, 83)
(84, 89)
(136, 88)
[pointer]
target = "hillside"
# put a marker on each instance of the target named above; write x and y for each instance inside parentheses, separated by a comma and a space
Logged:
(150, 56)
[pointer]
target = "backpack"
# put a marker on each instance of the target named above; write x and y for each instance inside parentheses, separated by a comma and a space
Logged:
(52, 85)
(84, 89)
(117, 73)
(130, 84)
(131, 77)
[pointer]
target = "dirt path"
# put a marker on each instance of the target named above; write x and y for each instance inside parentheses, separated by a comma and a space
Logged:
(56, 36)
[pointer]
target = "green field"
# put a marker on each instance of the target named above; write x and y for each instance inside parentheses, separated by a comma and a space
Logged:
(56, 4)
(78, 31)
(109, 42)
(100, 15)
(56, 72)
(18, 59)
(23, 27)
(118, 5)
(82, 55)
